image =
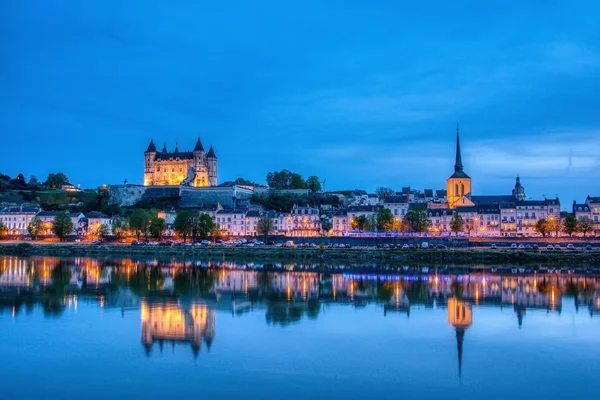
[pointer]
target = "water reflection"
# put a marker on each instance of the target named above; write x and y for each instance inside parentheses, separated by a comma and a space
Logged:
(170, 321)
(178, 301)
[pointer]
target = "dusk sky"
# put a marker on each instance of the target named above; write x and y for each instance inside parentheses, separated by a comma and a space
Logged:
(364, 94)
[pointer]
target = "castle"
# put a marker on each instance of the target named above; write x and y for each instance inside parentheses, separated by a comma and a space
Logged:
(188, 168)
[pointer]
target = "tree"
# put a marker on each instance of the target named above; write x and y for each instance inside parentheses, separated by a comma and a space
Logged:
(313, 184)
(33, 183)
(417, 220)
(103, 231)
(543, 227)
(183, 224)
(140, 222)
(203, 227)
(297, 182)
(119, 228)
(35, 227)
(457, 224)
(384, 220)
(56, 181)
(361, 223)
(554, 225)
(570, 225)
(3, 229)
(470, 226)
(157, 227)
(62, 225)
(265, 226)
(326, 224)
(585, 226)
(384, 193)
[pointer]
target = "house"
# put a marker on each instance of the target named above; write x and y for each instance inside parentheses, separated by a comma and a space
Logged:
(77, 218)
(594, 204)
(340, 222)
(304, 221)
(231, 221)
(398, 205)
(95, 220)
(16, 219)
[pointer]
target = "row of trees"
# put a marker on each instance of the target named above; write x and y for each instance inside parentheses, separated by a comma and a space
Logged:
(54, 181)
(418, 221)
(568, 225)
(383, 220)
(285, 179)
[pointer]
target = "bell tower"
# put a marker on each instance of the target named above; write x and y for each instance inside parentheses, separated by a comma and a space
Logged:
(459, 183)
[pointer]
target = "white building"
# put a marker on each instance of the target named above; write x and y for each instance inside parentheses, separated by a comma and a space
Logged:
(95, 221)
(16, 219)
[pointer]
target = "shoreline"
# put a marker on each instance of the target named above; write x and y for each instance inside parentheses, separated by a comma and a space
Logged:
(316, 255)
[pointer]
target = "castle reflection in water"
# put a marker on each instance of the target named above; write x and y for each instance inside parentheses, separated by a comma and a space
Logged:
(178, 300)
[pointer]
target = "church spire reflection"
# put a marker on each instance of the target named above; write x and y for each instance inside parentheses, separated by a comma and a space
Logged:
(460, 317)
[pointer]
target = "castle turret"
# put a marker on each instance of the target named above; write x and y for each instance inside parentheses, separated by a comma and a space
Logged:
(149, 157)
(198, 155)
(211, 160)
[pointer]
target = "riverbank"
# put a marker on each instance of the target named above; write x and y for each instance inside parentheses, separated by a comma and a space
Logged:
(440, 256)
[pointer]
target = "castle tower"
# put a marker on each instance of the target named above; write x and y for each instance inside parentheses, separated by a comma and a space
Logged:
(519, 191)
(211, 160)
(149, 157)
(459, 184)
(198, 155)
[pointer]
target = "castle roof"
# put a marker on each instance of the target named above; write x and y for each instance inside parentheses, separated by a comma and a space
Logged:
(182, 155)
(199, 146)
(151, 147)
(211, 152)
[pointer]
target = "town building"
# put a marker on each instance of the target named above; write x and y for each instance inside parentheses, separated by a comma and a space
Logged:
(95, 220)
(47, 218)
(188, 168)
(16, 219)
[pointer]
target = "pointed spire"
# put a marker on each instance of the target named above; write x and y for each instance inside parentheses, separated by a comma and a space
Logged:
(211, 153)
(176, 146)
(458, 165)
(164, 150)
(151, 147)
(199, 146)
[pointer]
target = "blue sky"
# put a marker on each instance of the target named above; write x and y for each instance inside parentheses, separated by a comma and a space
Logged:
(364, 94)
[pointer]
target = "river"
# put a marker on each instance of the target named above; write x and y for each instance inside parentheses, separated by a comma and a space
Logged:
(146, 328)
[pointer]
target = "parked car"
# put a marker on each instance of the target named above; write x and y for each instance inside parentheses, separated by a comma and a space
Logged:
(493, 246)
(589, 247)
(521, 246)
(550, 247)
(536, 247)
(441, 247)
(513, 246)
(405, 246)
(570, 246)
(425, 245)
(557, 247)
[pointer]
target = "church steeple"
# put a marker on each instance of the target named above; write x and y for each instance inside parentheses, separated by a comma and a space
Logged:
(458, 165)
(176, 147)
(164, 150)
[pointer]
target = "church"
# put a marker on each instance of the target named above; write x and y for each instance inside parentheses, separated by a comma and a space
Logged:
(173, 168)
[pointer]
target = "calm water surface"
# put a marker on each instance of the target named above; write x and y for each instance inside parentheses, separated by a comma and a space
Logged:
(87, 328)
